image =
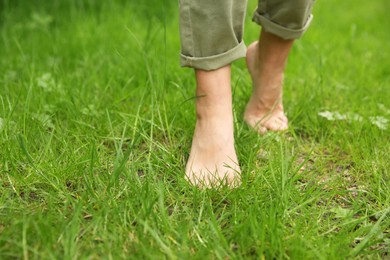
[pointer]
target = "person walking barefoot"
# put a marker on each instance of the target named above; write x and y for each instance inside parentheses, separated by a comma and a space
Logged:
(211, 39)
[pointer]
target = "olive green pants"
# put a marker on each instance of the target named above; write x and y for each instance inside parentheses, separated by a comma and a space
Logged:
(211, 30)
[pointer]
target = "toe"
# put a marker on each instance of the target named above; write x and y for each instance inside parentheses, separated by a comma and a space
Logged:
(261, 129)
(283, 125)
(256, 124)
(234, 180)
(283, 118)
(190, 178)
(276, 125)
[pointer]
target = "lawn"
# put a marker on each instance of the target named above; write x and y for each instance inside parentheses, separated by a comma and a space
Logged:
(96, 121)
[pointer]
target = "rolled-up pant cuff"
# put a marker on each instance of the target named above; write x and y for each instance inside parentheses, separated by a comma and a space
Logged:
(278, 30)
(215, 61)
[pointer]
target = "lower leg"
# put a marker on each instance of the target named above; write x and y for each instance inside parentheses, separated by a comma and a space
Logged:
(266, 61)
(213, 157)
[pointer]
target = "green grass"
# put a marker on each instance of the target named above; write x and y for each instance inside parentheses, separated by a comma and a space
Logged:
(96, 120)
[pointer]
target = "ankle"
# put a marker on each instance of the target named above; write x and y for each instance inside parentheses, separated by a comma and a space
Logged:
(213, 108)
(263, 103)
(216, 116)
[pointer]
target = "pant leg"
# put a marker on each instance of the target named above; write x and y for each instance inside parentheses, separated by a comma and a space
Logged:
(288, 19)
(211, 32)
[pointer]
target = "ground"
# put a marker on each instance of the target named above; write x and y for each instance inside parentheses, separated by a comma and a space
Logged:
(96, 120)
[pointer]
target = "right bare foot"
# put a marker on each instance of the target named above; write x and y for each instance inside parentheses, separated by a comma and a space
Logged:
(213, 160)
(264, 110)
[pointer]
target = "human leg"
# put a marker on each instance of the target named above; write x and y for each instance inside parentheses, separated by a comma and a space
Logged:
(282, 21)
(266, 61)
(211, 37)
(213, 157)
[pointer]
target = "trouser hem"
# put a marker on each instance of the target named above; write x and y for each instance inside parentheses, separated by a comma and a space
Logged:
(278, 30)
(216, 61)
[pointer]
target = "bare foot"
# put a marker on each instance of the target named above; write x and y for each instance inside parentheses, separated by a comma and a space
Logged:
(213, 160)
(264, 110)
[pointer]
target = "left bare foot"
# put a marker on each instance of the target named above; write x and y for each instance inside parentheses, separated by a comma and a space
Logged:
(266, 61)
(264, 110)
